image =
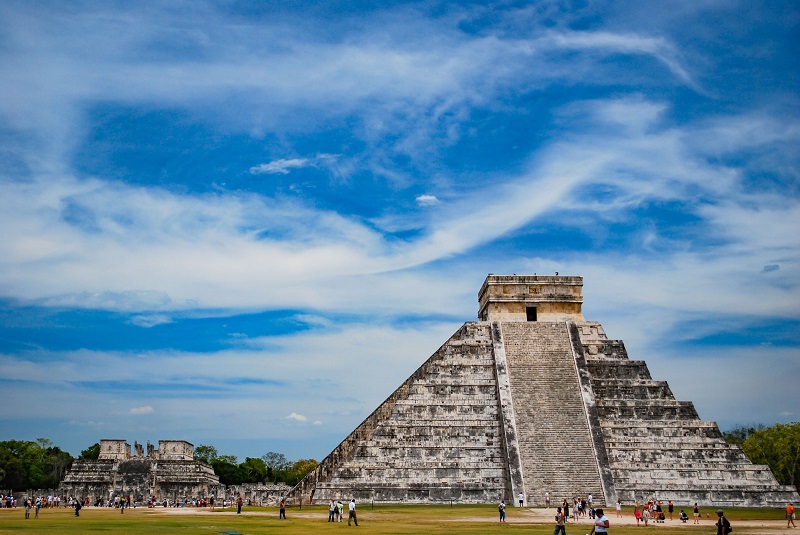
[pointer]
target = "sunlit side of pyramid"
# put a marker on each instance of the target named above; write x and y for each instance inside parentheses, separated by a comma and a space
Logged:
(532, 398)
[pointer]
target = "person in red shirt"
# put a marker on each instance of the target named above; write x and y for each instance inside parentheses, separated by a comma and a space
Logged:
(790, 515)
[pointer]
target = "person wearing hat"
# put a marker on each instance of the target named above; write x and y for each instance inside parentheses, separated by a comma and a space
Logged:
(723, 526)
(600, 523)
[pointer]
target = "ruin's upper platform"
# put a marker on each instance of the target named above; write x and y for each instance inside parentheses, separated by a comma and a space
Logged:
(545, 298)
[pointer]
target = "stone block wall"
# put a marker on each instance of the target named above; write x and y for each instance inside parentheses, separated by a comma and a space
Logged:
(437, 438)
(658, 447)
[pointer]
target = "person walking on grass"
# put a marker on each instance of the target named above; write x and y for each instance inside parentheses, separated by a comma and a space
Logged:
(601, 523)
(790, 515)
(559, 523)
(352, 515)
(723, 526)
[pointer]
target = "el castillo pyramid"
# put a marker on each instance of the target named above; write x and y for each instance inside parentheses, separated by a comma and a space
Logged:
(534, 399)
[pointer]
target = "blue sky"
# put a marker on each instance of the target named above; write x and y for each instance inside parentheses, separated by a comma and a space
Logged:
(245, 224)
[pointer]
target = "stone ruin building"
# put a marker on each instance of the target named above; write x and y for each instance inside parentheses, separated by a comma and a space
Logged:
(532, 398)
(169, 472)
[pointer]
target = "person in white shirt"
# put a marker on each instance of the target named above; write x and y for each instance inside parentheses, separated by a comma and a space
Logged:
(600, 523)
(352, 512)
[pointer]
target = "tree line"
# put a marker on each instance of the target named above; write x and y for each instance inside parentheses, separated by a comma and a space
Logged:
(778, 447)
(26, 464)
(269, 468)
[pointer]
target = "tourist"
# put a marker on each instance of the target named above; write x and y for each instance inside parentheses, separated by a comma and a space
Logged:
(790, 515)
(27, 507)
(239, 505)
(332, 511)
(723, 526)
(352, 512)
(696, 514)
(559, 523)
(637, 512)
(78, 508)
(619, 509)
(683, 516)
(502, 509)
(565, 508)
(36, 508)
(282, 510)
(521, 498)
(670, 508)
(340, 510)
(547, 500)
(601, 523)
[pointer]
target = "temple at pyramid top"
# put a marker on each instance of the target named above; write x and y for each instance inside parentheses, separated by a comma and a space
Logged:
(532, 400)
(531, 298)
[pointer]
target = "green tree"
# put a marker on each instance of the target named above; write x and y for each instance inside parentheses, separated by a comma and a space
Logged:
(779, 448)
(228, 459)
(298, 471)
(58, 462)
(739, 434)
(205, 453)
(92, 453)
(28, 464)
(277, 465)
(228, 473)
(15, 476)
(254, 470)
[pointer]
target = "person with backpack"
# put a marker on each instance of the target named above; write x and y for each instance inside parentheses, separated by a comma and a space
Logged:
(723, 526)
(502, 509)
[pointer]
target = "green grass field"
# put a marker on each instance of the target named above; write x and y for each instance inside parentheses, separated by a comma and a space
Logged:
(384, 519)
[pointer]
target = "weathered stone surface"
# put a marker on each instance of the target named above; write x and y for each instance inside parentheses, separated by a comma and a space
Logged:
(533, 398)
(169, 472)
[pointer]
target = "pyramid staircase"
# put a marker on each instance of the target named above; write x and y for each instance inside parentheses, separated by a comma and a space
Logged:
(658, 447)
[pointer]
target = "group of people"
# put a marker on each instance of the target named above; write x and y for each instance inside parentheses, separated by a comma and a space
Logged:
(39, 502)
(579, 507)
(601, 523)
(336, 511)
(652, 510)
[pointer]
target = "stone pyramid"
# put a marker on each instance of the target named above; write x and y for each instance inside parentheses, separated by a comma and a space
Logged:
(534, 399)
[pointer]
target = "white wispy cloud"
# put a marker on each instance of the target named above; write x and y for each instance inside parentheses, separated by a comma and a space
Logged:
(284, 166)
(427, 200)
(280, 167)
(296, 417)
(147, 409)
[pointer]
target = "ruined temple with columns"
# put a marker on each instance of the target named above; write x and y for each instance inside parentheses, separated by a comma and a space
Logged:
(167, 472)
(533, 399)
